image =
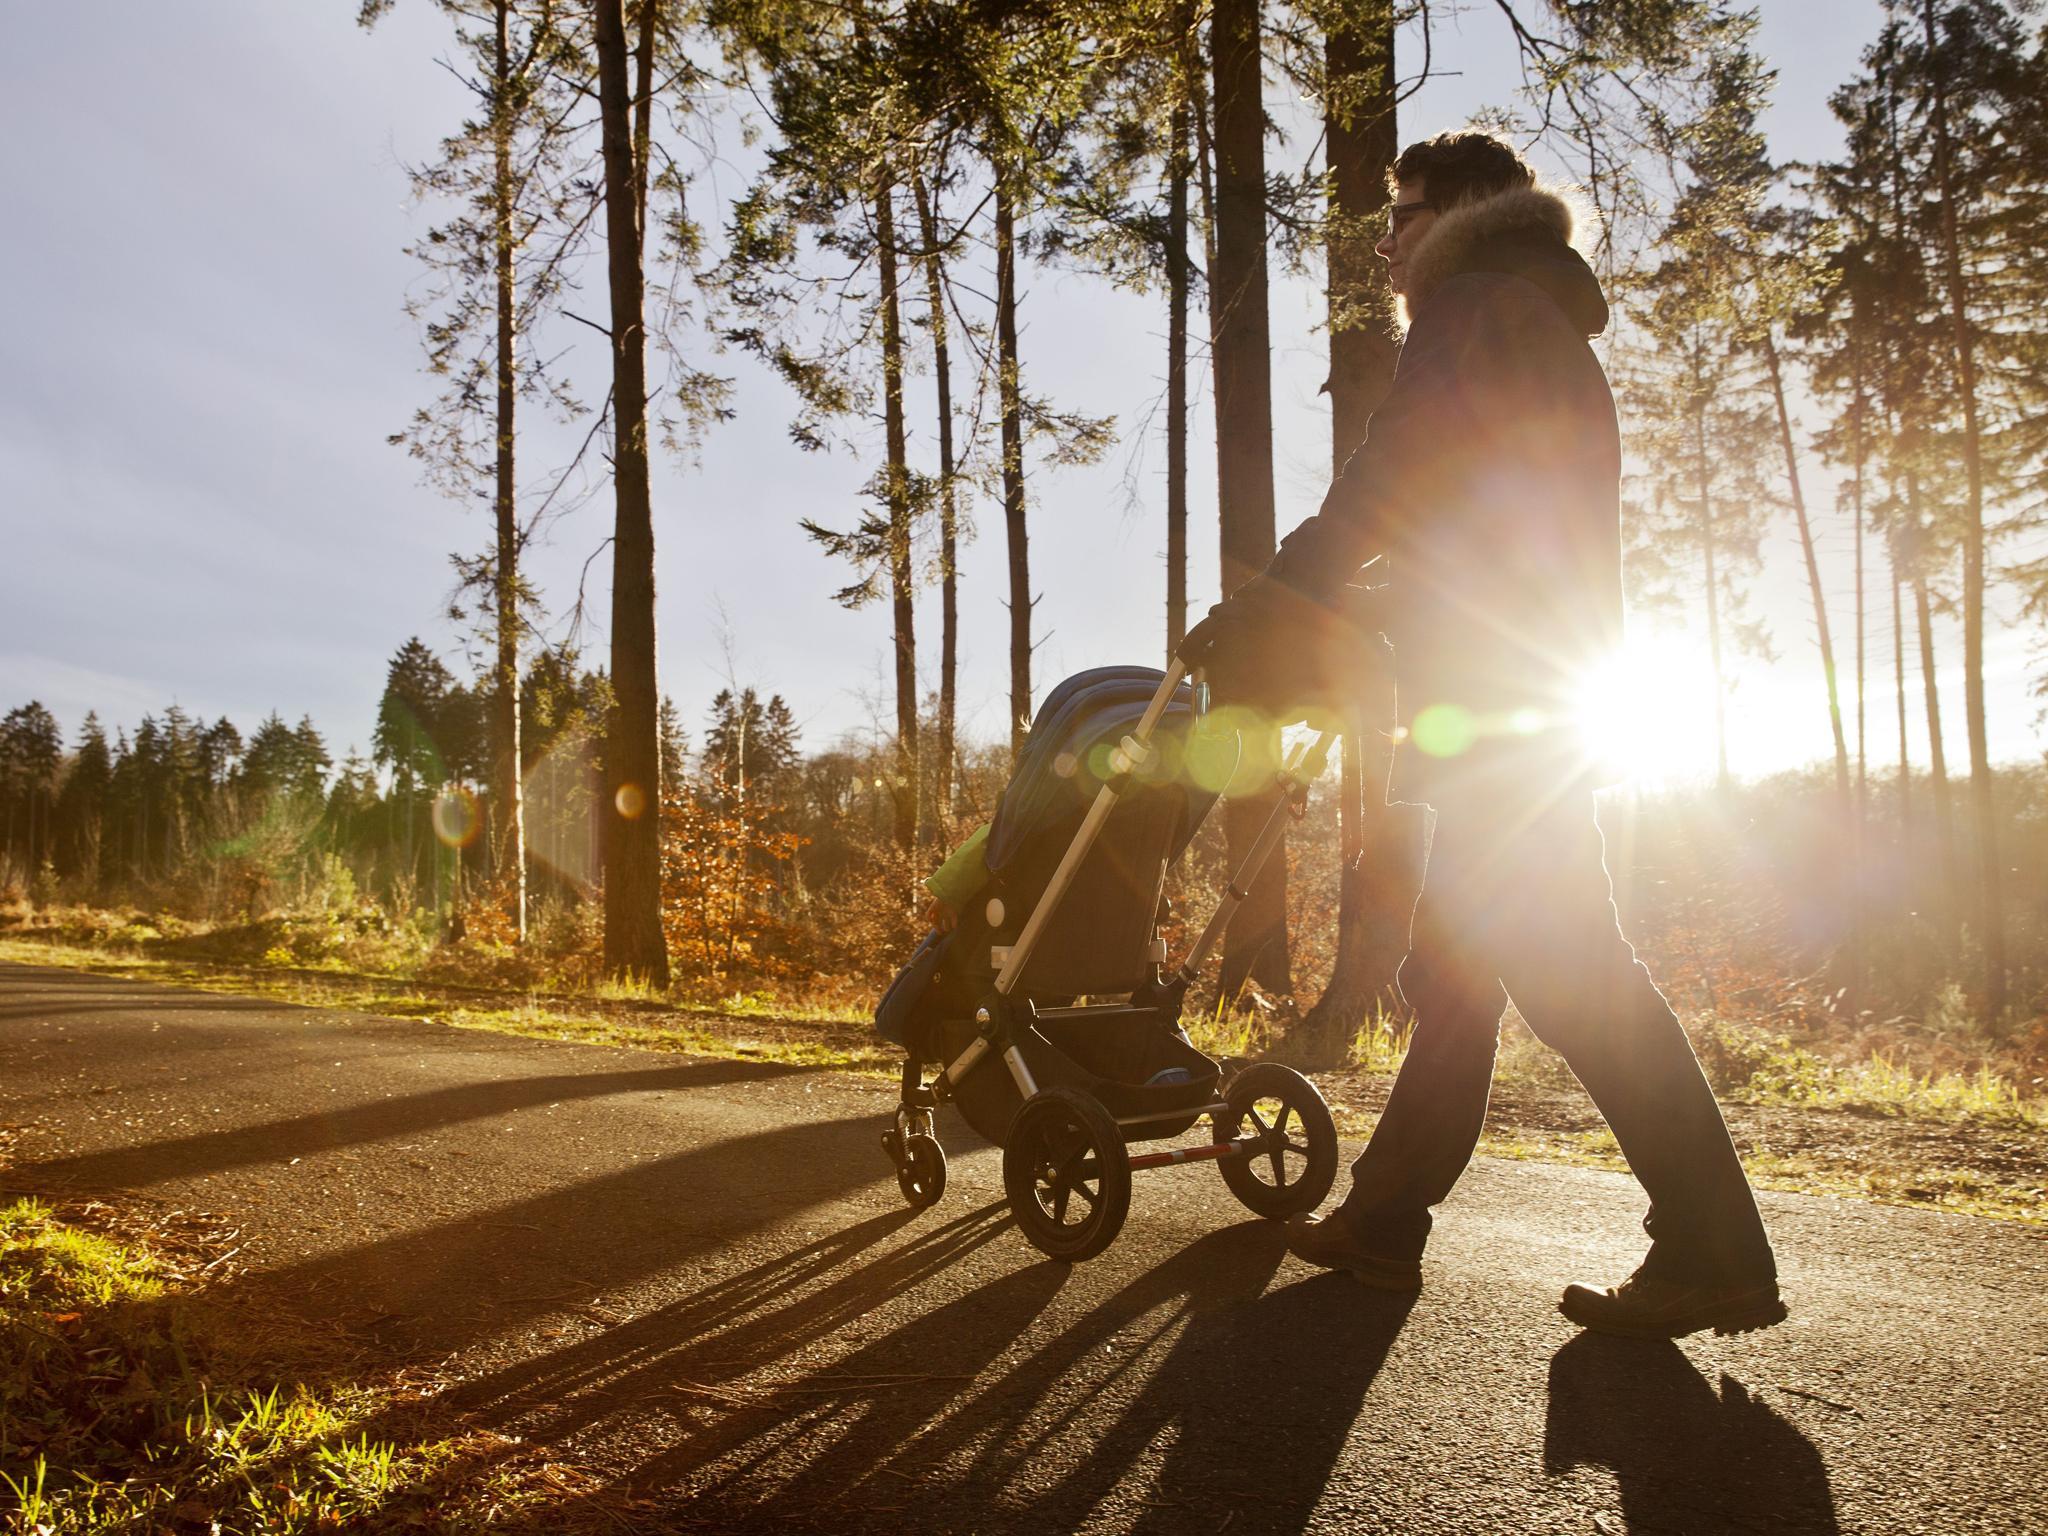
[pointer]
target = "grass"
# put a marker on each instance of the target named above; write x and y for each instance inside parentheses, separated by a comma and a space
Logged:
(1879, 1085)
(1964, 1191)
(130, 1403)
(618, 1014)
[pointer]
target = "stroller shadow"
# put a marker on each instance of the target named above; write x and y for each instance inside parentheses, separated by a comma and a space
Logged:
(1227, 1399)
(1685, 1457)
(1248, 1414)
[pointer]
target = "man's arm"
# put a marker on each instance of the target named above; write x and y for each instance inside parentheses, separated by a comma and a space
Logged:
(1412, 440)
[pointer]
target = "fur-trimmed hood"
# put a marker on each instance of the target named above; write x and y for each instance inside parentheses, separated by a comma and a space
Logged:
(1525, 233)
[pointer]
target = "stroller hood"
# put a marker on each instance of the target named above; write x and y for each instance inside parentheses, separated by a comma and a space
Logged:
(1065, 758)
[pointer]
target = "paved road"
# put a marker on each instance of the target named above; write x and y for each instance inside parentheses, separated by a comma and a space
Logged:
(697, 1278)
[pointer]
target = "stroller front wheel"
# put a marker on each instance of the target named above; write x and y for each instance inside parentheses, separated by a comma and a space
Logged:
(921, 1171)
(1295, 1162)
(1066, 1173)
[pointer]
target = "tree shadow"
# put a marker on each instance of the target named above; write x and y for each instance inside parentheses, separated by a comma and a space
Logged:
(1684, 1456)
(382, 1119)
(439, 1288)
(157, 1003)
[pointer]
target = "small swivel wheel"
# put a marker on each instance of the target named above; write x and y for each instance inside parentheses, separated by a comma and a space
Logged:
(1295, 1161)
(920, 1160)
(1067, 1175)
(921, 1171)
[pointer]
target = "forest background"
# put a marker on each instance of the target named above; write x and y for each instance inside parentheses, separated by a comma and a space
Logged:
(1828, 358)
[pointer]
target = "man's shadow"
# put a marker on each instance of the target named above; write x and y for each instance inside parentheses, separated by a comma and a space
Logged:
(1686, 1458)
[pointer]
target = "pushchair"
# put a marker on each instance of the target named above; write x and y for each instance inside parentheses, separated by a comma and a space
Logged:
(1118, 772)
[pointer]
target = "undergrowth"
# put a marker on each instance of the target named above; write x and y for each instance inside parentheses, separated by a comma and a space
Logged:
(130, 1402)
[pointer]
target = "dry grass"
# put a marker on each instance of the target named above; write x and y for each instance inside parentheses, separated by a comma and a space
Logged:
(136, 1399)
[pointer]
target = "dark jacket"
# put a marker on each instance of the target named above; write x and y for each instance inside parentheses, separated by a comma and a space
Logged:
(1490, 479)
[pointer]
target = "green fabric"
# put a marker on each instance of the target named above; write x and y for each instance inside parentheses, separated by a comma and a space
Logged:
(964, 872)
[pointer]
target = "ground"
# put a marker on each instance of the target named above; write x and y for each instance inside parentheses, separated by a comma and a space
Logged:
(688, 1284)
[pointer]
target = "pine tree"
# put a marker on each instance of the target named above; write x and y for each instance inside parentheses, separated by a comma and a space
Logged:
(1255, 948)
(82, 804)
(500, 264)
(1981, 93)
(749, 740)
(675, 748)
(948, 490)
(633, 940)
(31, 751)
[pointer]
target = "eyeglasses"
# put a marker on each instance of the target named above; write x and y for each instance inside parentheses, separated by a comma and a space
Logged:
(1400, 213)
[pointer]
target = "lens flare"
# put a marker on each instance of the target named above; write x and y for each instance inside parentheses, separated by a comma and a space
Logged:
(1444, 730)
(455, 817)
(631, 801)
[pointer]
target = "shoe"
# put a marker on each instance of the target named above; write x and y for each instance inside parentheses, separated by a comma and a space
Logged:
(1333, 1244)
(1645, 1307)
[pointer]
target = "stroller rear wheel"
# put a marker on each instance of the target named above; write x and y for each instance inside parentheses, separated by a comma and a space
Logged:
(1295, 1162)
(1066, 1174)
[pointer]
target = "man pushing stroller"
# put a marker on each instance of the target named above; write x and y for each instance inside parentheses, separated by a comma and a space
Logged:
(1490, 479)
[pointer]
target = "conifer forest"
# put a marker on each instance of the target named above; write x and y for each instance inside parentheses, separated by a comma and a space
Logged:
(1831, 369)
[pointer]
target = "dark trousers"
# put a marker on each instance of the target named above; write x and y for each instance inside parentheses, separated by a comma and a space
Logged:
(1517, 904)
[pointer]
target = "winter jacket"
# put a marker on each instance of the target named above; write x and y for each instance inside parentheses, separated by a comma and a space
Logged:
(1490, 479)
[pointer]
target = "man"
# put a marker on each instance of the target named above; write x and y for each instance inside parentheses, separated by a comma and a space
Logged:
(1490, 479)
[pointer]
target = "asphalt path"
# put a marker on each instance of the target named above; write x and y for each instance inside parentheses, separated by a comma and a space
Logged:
(696, 1279)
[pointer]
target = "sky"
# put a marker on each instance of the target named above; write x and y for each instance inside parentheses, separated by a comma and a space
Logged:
(207, 351)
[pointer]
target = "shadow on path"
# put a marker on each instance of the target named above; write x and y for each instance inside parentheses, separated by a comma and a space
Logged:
(439, 1288)
(1190, 1395)
(695, 1354)
(281, 1140)
(164, 1002)
(1686, 1457)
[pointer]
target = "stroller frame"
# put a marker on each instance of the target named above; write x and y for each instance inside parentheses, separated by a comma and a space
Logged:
(1066, 1166)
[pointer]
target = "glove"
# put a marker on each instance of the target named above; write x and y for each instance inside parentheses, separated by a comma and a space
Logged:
(1269, 648)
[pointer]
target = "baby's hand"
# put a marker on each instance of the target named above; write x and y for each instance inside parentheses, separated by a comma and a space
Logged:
(940, 916)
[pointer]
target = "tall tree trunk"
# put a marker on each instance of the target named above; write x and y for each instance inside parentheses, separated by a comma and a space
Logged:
(1768, 344)
(1010, 388)
(633, 940)
(511, 794)
(1951, 901)
(949, 516)
(1862, 754)
(1240, 345)
(1899, 688)
(1861, 827)
(1177, 276)
(1380, 844)
(1937, 758)
(643, 111)
(1703, 471)
(902, 599)
(1991, 903)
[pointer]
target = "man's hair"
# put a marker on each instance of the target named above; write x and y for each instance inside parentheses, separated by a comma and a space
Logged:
(1458, 167)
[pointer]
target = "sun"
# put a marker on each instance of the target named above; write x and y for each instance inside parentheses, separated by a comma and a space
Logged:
(1647, 713)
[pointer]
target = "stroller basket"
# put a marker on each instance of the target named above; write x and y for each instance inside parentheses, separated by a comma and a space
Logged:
(1134, 1061)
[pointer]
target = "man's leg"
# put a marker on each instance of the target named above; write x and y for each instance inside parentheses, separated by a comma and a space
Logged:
(1579, 985)
(1437, 1106)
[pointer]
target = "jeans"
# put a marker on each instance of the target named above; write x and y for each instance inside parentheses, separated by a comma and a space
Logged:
(1517, 904)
